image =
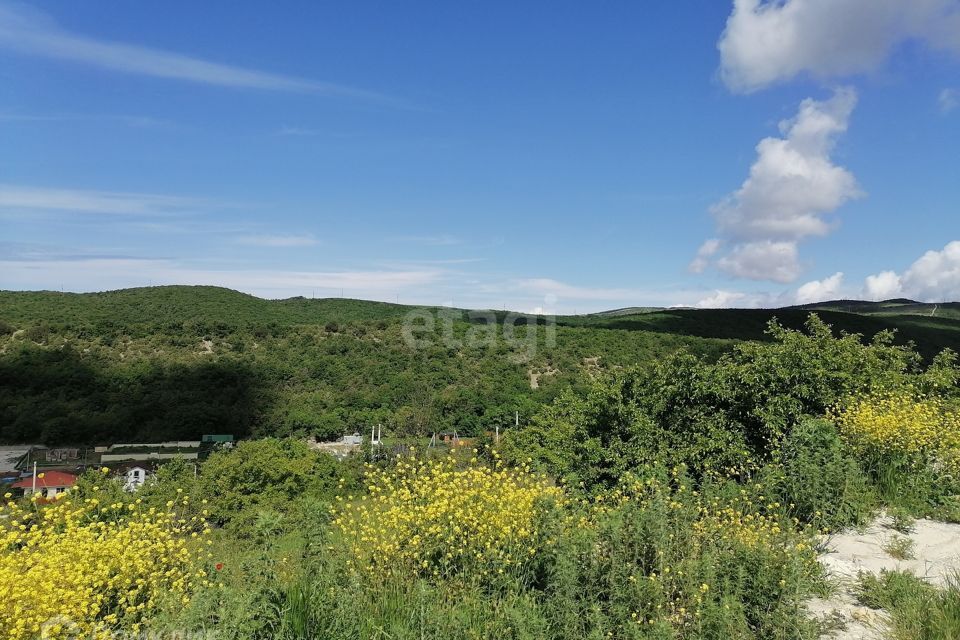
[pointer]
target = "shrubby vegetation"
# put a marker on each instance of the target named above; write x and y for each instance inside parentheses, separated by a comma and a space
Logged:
(178, 362)
(678, 498)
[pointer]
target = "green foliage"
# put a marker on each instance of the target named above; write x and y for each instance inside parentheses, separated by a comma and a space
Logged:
(647, 566)
(178, 362)
(819, 478)
(918, 611)
(258, 480)
(714, 417)
(899, 547)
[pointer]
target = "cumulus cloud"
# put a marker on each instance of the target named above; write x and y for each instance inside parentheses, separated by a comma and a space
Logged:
(830, 288)
(819, 290)
(722, 300)
(882, 286)
(792, 186)
(770, 41)
(934, 277)
(763, 260)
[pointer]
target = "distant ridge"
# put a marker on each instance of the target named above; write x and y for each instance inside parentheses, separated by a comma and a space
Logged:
(892, 307)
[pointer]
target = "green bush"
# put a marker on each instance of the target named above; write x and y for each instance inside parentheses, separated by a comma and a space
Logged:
(259, 479)
(819, 479)
(728, 417)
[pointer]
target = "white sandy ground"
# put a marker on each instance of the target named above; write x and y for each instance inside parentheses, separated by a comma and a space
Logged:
(936, 557)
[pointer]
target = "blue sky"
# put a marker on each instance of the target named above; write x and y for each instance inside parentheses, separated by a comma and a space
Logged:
(563, 156)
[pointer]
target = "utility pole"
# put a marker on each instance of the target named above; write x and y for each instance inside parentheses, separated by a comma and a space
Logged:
(34, 487)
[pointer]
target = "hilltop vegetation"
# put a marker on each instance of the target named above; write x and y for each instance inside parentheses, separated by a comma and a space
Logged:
(177, 362)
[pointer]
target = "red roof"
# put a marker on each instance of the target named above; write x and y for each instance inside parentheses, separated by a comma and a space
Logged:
(49, 479)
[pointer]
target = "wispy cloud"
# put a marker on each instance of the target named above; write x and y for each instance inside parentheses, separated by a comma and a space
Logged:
(439, 240)
(28, 31)
(298, 131)
(279, 240)
(16, 198)
(99, 273)
(33, 252)
(949, 100)
(144, 122)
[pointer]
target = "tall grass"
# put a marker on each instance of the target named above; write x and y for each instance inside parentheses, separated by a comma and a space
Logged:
(918, 611)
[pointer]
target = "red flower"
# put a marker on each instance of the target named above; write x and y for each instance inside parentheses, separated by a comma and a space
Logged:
(218, 566)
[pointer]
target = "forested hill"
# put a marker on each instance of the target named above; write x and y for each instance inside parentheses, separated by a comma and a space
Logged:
(176, 362)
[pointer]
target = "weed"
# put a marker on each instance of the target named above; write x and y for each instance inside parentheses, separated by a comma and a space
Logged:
(899, 547)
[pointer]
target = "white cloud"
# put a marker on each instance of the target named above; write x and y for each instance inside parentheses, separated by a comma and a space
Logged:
(439, 240)
(721, 300)
(793, 182)
(706, 251)
(882, 286)
(101, 274)
(770, 41)
(830, 288)
(819, 290)
(279, 240)
(949, 99)
(762, 260)
(934, 277)
(549, 286)
(30, 32)
(18, 197)
(792, 185)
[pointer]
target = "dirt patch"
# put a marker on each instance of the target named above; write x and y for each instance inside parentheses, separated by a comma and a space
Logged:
(934, 556)
(536, 374)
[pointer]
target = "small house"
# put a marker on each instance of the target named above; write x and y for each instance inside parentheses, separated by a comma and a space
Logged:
(48, 484)
(134, 474)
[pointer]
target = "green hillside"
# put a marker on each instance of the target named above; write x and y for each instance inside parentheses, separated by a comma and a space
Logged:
(177, 362)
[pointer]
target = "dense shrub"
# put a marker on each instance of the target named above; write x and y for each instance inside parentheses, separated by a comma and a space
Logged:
(258, 477)
(727, 417)
(819, 478)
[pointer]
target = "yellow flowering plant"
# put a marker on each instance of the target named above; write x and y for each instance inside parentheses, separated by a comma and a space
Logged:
(677, 556)
(438, 518)
(81, 568)
(902, 423)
